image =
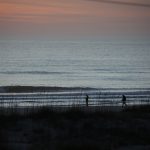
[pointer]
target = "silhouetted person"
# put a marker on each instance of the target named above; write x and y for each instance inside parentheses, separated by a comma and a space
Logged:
(124, 101)
(87, 100)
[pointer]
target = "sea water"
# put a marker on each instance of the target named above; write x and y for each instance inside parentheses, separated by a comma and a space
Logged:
(85, 63)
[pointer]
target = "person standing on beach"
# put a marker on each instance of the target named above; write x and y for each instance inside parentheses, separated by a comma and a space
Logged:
(124, 101)
(87, 100)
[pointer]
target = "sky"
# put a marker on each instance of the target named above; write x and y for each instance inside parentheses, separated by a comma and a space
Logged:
(76, 18)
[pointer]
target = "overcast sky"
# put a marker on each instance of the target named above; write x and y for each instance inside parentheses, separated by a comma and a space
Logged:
(75, 17)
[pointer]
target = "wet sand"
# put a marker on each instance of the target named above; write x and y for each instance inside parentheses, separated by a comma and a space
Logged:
(25, 96)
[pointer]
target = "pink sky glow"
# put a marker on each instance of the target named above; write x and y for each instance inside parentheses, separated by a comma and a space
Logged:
(74, 17)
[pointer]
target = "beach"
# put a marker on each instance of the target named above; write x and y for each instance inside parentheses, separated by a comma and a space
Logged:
(57, 118)
(28, 96)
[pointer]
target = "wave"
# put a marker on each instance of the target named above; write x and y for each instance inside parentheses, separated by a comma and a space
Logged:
(33, 72)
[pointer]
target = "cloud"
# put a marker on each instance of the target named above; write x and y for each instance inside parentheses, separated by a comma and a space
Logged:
(123, 3)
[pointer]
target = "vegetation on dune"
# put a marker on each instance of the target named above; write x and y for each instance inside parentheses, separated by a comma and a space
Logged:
(75, 129)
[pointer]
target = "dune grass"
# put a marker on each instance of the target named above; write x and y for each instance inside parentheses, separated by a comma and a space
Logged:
(75, 129)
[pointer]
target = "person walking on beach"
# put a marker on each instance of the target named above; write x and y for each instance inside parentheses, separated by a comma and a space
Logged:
(87, 100)
(124, 101)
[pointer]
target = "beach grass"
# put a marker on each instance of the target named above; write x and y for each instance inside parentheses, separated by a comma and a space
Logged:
(76, 129)
(100, 126)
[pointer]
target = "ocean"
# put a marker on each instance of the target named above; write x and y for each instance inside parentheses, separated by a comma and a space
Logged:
(85, 63)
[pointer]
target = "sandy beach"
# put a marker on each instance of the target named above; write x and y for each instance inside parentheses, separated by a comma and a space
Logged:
(59, 97)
